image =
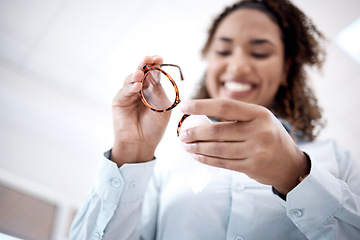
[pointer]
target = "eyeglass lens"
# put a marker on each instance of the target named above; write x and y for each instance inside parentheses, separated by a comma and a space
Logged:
(158, 91)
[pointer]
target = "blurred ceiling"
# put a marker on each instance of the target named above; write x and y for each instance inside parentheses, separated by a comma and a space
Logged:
(62, 61)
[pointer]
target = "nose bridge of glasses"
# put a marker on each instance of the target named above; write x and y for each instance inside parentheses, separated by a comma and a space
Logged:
(147, 67)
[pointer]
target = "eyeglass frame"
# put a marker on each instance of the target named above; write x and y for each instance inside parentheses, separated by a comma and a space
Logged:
(147, 69)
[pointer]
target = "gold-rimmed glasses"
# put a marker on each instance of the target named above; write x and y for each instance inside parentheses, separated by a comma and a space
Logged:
(159, 91)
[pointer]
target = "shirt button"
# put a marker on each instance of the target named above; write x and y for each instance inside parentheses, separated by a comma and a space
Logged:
(132, 185)
(239, 187)
(97, 236)
(238, 238)
(115, 182)
(296, 213)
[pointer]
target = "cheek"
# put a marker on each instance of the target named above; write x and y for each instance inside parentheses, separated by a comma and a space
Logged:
(272, 80)
(273, 71)
(215, 68)
(209, 76)
(211, 82)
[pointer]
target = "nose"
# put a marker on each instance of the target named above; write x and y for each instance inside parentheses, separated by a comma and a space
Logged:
(239, 63)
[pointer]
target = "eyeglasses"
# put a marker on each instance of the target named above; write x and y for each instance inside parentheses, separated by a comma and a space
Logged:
(159, 91)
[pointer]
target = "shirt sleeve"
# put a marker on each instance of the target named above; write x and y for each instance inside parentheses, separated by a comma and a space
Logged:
(116, 189)
(327, 206)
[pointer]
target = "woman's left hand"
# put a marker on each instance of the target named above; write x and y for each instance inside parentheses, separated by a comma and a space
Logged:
(249, 139)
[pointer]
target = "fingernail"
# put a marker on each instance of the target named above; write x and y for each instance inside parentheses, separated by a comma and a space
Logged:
(183, 106)
(182, 136)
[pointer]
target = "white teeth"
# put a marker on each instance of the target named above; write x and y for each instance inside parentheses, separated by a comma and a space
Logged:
(237, 87)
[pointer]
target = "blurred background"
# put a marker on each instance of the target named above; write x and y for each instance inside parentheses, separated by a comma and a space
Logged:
(62, 61)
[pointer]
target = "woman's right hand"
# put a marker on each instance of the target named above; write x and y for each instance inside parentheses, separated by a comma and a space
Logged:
(138, 130)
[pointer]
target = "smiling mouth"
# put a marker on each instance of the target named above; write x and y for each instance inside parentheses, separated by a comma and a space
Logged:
(237, 87)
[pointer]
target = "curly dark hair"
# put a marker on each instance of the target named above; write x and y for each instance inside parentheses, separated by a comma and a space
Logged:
(296, 102)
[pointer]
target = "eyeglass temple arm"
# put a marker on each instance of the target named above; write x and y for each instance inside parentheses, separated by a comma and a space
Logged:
(173, 65)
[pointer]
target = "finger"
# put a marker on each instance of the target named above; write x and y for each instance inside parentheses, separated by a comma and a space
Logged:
(239, 165)
(146, 60)
(130, 90)
(223, 150)
(157, 60)
(224, 131)
(150, 60)
(133, 83)
(222, 109)
(136, 77)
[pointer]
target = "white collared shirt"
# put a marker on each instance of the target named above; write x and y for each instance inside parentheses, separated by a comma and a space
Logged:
(137, 202)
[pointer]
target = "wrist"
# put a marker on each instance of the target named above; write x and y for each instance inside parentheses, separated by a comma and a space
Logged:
(123, 153)
(302, 171)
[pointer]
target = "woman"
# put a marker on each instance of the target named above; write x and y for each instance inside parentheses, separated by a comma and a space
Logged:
(278, 184)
